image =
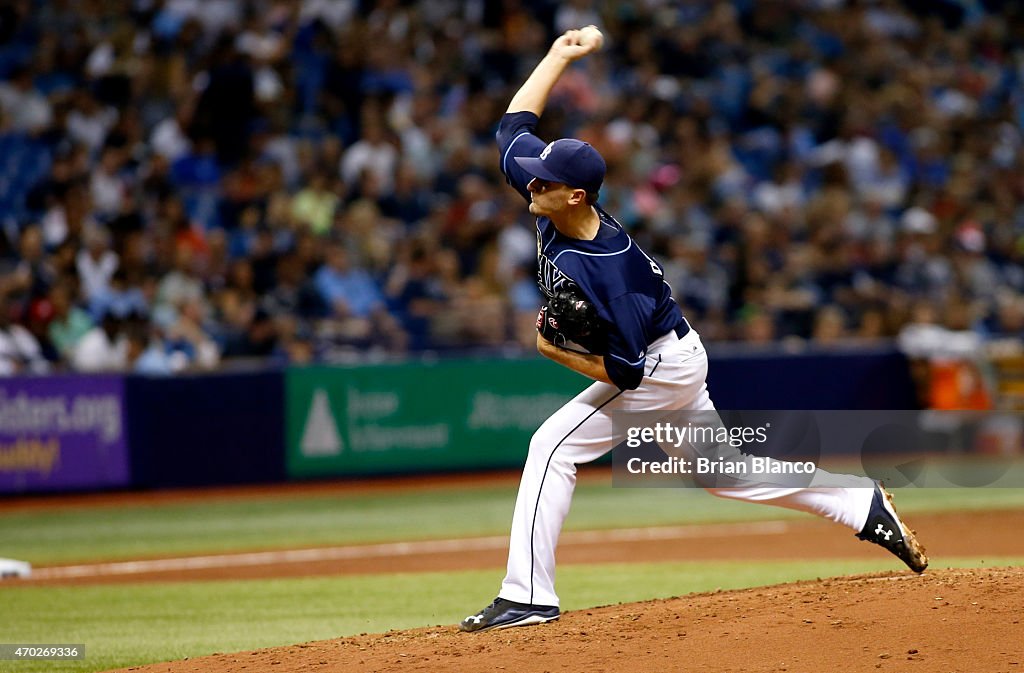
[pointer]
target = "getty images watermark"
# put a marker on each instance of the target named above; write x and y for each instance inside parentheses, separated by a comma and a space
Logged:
(796, 449)
(665, 434)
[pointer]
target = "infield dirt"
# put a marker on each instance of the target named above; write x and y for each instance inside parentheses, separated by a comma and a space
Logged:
(950, 621)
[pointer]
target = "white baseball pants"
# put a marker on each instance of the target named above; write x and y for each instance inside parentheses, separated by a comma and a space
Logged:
(581, 431)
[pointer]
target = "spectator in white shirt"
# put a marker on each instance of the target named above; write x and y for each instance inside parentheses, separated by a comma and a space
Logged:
(104, 348)
(96, 263)
(89, 122)
(107, 186)
(374, 152)
(20, 352)
(25, 109)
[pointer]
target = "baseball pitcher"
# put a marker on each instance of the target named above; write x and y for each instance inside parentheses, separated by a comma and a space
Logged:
(610, 316)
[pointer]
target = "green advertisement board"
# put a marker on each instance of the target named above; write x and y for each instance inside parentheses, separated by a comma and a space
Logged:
(465, 414)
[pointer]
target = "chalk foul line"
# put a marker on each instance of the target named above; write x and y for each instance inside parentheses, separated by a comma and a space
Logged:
(392, 549)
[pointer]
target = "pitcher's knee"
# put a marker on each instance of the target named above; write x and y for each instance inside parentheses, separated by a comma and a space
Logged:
(542, 444)
(544, 447)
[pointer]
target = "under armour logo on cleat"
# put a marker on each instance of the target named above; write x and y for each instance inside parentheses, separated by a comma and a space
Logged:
(476, 619)
(882, 531)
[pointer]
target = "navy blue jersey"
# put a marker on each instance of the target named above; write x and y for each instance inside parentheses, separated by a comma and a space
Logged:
(625, 285)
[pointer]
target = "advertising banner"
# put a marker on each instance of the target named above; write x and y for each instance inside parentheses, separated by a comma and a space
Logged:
(62, 433)
(380, 419)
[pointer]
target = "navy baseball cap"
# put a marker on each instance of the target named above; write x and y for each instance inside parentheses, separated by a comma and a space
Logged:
(569, 161)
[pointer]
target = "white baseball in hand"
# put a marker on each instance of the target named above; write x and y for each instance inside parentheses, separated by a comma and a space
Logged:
(591, 36)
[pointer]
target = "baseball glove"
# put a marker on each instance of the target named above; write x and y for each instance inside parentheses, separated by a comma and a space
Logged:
(571, 322)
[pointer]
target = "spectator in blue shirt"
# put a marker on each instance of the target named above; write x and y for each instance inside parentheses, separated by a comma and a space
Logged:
(351, 292)
(356, 301)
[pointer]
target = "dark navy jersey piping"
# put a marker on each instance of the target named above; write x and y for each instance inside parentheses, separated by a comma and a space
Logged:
(605, 219)
(629, 245)
(504, 159)
(554, 234)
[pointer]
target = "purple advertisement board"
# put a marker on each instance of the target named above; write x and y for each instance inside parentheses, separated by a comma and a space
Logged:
(62, 433)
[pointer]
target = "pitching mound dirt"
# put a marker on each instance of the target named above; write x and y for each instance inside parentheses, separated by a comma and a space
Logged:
(947, 620)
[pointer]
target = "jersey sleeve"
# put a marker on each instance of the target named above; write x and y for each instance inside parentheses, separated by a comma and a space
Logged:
(627, 339)
(515, 139)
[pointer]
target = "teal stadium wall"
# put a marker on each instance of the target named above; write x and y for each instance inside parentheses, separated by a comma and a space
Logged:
(79, 433)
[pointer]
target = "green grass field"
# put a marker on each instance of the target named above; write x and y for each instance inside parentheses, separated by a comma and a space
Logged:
(130, 624)
(282, 522)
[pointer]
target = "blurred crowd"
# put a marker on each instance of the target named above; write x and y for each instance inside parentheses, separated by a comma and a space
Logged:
(188, 182)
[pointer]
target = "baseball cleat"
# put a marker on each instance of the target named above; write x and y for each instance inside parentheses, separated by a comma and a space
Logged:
(886, 529)
(503, 614)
